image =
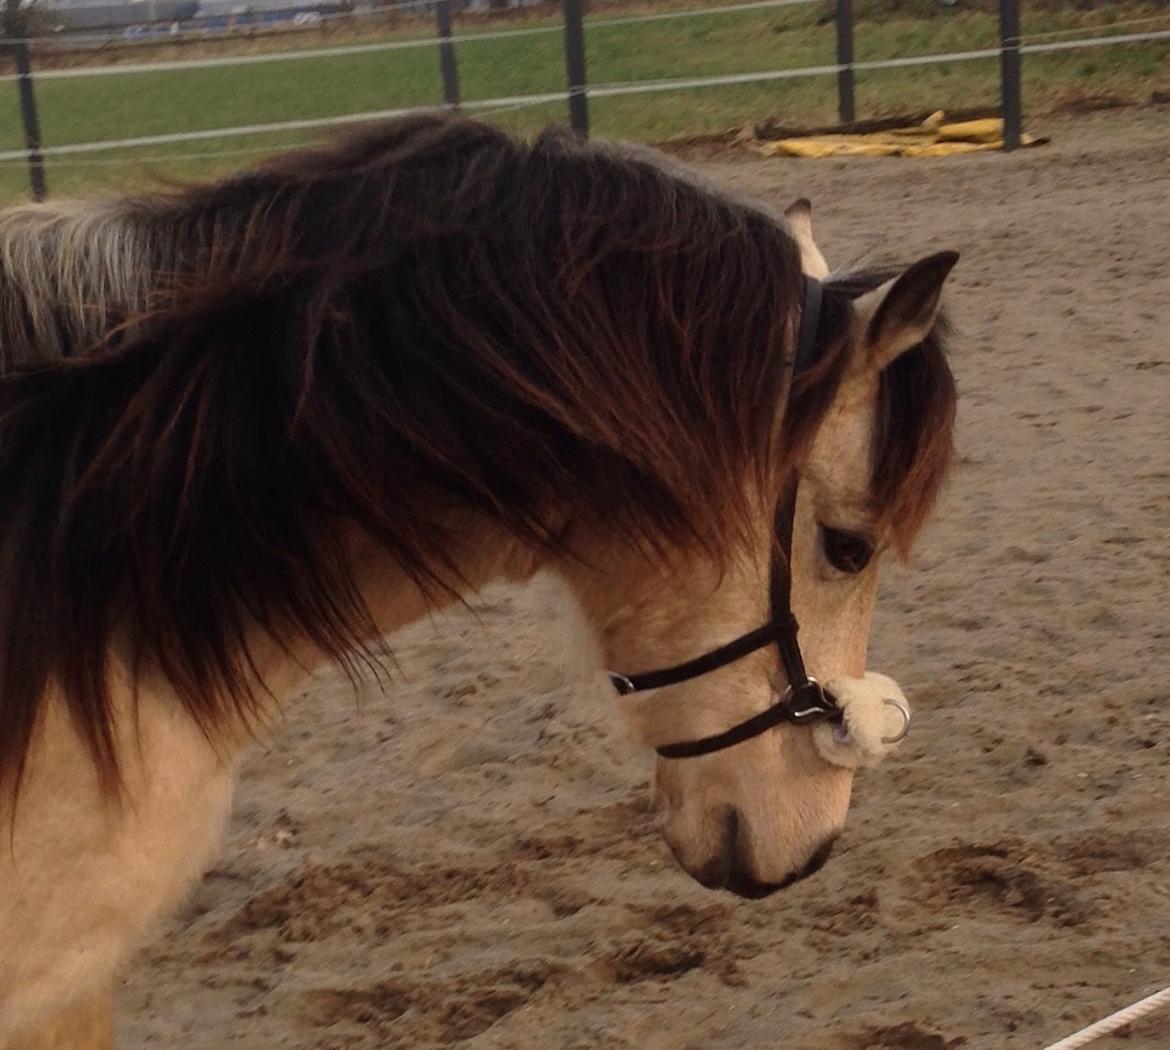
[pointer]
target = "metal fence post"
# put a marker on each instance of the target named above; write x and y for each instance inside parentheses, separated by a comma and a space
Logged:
(1011, 103)
(447, 64)
(846, 110)
(575, 66)
(28, 117)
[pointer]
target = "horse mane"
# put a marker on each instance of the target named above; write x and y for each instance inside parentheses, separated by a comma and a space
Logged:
(69, 273)
(424, 317)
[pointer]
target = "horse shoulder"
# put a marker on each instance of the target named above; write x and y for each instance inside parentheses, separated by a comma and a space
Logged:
(82, 877)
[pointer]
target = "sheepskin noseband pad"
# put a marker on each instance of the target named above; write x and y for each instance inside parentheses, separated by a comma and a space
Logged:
(875, 719)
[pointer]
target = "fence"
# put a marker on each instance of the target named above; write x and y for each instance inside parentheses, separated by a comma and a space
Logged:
(1010, 49)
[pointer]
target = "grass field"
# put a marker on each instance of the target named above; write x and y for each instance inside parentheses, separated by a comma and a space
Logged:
(87, 109)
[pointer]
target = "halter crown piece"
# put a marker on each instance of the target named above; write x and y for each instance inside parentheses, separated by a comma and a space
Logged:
(803, 700)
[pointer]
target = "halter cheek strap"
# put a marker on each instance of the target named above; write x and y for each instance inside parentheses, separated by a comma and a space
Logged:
(810, 322)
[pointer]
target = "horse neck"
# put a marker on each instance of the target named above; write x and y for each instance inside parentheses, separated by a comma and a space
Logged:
(481, 554)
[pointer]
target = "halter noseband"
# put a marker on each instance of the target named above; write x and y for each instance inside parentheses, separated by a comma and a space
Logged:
(803, 700)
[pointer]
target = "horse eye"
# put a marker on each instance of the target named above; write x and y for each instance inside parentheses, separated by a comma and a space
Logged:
(847, 552)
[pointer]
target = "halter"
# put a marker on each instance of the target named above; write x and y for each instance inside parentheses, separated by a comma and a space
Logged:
(804, 700)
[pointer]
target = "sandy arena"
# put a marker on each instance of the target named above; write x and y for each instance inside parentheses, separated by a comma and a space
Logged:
(473, 861)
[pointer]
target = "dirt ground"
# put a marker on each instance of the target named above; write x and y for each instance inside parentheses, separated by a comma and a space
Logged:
(473, 861)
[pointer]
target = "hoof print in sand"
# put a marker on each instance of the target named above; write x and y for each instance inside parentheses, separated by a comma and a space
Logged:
(1005, 876)
(649, 961)
(441, 1012)
(905, 1036)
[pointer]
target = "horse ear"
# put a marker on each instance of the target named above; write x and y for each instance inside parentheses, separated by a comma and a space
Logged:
(899, 314)
(799, 216)
(799, 213)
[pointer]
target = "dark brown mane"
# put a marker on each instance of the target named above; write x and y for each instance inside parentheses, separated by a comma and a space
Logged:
(426, 316)
(914, 423)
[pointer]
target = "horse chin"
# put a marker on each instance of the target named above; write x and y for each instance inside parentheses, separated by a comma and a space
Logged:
(744, 885)
(722, 873)
(752, 828)
(726, 862)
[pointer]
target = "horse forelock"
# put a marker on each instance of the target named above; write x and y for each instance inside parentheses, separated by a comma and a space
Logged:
(427, 314)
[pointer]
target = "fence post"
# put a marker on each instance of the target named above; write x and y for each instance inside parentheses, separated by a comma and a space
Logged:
(28, 117)
(447, 65)
(1011, 104)
(575, 66)
(845, 96)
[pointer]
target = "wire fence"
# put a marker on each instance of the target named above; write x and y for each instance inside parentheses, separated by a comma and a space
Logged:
(302, 54)
(193, 30)
(576, 91)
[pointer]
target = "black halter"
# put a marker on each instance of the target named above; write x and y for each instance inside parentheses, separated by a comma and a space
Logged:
(803, 700)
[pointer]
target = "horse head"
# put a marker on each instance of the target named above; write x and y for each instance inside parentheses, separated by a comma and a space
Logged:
(763, 813)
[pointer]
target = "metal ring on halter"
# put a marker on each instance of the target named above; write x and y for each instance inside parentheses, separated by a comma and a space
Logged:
(904, 711)
(621, 683)
(820, 710)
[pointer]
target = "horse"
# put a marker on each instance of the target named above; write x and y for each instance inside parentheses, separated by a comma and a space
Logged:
(257, 425)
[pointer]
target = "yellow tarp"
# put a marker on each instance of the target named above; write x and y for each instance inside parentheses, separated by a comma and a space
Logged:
(932, 138)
